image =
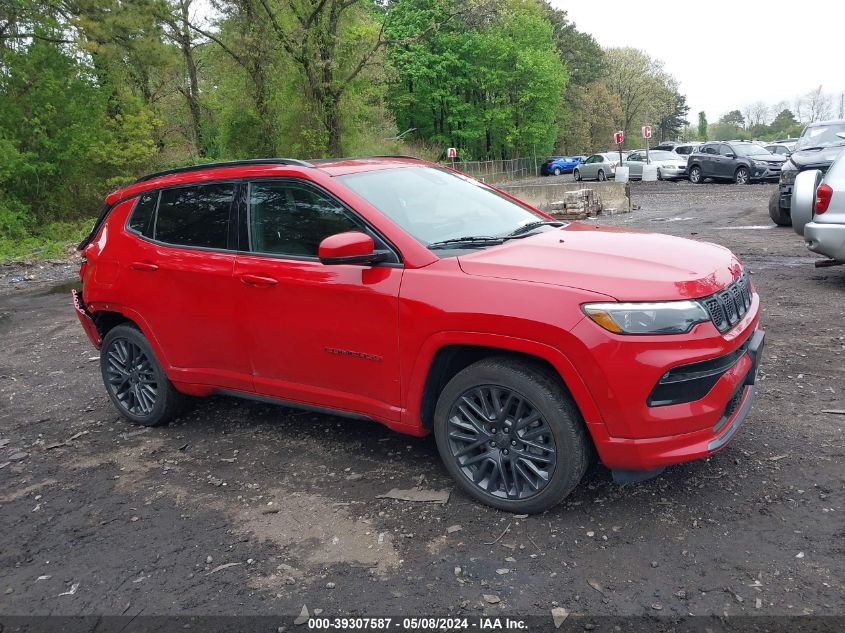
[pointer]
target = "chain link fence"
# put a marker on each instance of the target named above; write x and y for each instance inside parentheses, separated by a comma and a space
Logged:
(500, 170)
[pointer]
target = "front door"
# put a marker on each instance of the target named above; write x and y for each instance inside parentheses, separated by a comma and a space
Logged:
(325, 335)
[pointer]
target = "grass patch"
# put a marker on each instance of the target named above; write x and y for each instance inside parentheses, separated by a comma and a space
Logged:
(51, 241)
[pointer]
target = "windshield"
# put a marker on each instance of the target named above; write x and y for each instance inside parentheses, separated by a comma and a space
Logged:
(436, 205)
(821, 136)
(750, 149)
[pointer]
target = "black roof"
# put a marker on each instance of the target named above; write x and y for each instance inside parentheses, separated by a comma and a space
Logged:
(231, 163)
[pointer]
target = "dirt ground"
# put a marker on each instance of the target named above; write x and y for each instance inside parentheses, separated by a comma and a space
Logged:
(245, 508)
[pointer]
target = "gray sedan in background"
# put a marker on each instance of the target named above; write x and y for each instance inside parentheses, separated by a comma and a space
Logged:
(597, 167)
(670, 166)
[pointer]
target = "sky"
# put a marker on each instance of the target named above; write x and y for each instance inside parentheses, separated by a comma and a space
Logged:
(727, 53)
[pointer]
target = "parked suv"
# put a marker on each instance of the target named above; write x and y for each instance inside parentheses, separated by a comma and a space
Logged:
(818, 147)
(738, 161)
(403, 292)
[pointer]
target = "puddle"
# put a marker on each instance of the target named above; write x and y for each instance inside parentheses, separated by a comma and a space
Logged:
(756, 227)
(672, 219)
(63, 289)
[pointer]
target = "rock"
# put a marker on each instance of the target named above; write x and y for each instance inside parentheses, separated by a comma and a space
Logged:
(303, 616)
(208, 560)
(799, 555)
(270, 510)
(453, 528)
(591, 534)
(457, 571)
(417, 494)
(559, 615)
(17, 457)
(330, 585)
(510, 559)
(491, 599)
(657, 606)
(354, 477)
(654, 564)
(4, 442)
(503, 570)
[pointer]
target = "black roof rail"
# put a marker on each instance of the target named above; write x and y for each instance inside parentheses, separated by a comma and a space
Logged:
(232, 163)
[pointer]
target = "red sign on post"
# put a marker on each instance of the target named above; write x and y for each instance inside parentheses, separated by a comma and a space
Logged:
(619, 137)
(646, 131)
(452, 152)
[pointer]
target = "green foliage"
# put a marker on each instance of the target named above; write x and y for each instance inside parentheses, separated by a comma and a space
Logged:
(702, 126)
(491, 87)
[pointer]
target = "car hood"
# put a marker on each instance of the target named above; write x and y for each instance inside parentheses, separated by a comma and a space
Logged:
(773, 158)
(628, 265)
(804, 159)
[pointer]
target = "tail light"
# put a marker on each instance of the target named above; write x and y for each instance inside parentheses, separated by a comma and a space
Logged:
(613, 165)
(823, 194)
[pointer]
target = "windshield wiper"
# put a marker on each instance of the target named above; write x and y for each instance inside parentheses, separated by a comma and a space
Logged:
(527, 228)
(476, 240)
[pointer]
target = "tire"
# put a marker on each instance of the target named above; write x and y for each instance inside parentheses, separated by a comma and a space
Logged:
(134, 379)
(779, 215)
(742, 176)
(695, 175)
(557, 171)
(659, 175)
(602, 177)
(503, 467)
(577, 175)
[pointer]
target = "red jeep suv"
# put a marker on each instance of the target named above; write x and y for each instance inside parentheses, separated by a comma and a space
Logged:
(400, 291)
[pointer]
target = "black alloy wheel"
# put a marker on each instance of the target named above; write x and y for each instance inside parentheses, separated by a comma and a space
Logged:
(501, 442)
(135, 380)
(130, 377)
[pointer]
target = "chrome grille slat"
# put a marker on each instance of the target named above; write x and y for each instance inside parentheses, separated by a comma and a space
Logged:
(727, 307)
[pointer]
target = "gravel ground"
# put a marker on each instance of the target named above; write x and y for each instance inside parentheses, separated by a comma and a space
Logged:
(246, 508)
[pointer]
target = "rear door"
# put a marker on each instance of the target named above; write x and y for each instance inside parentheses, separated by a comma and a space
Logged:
(178, 276)
(318, 334)
(707, 159)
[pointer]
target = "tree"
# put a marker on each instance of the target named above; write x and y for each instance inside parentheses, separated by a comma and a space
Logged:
(756, 114)
(785, 124)
(734, 117)
(814, 106)
(635, 78)
(702, 126)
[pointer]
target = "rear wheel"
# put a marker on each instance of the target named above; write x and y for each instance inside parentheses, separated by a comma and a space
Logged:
(510, 435)
(134, 379)
(602, 177)
(779, 215)
(695, 175)
(741, 176)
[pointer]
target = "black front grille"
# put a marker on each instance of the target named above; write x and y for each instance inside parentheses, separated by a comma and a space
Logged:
(727, 307)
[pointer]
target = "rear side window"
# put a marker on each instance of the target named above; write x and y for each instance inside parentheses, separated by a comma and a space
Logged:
(143, 214)
(195, 216)
(286, 218)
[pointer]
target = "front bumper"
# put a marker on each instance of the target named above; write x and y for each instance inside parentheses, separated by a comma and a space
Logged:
(650, 455)
(826, 239)
(768, 173)
(673, 172)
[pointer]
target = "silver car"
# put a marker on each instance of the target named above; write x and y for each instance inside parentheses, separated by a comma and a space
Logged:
(597, 167)
(818, 211)
(670, 166)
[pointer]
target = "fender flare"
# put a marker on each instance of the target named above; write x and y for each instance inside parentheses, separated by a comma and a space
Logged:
(558, 360)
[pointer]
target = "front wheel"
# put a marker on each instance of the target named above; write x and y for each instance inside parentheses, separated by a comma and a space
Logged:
(557, 171)
(510, 435)
(695, 175)
(741, 177)
(135, 380)
(602, 177)
(577, 175)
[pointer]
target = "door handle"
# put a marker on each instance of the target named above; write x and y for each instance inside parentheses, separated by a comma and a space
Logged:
(258, 280)
(145, 267)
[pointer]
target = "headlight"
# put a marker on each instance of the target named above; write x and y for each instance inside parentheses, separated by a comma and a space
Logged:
(669, 317)
(787, 176)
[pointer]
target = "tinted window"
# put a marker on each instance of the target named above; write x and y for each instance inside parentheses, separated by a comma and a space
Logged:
(710, 149)
(195, 216)
(290, 219)
(142, 215)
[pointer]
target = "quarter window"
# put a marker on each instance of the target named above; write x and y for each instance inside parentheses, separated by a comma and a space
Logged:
(142, 215)
(290, 219)
(195, 216)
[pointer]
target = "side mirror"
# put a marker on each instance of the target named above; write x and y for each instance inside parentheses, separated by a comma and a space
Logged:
(730, 155)
(352, 247)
